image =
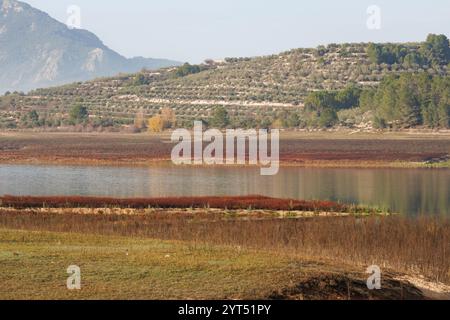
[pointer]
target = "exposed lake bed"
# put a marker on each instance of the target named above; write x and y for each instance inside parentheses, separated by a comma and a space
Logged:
(307, 149)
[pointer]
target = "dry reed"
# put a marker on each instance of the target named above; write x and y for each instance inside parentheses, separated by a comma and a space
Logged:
(400, 243)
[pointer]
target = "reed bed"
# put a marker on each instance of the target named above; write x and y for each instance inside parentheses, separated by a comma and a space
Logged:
(419, 245)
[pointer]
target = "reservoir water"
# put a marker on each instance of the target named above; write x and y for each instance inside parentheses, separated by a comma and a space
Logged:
(407, 191)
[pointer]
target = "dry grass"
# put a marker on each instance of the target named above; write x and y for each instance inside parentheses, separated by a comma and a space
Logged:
(408, 245)
(33, 266)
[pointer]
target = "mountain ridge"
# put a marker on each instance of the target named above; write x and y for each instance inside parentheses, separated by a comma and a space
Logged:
(39, 51)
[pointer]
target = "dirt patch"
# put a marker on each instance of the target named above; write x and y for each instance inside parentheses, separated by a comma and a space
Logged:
(348, 287)
(436, 290)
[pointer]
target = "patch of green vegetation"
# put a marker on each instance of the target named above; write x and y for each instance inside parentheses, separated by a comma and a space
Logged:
(34, 266)
(434, 51)
(442, 164)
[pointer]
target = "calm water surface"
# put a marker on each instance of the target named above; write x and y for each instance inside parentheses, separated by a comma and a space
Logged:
(409, 191)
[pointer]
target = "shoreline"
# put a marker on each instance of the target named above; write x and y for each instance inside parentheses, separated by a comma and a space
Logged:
(344, 164)
(253, 214)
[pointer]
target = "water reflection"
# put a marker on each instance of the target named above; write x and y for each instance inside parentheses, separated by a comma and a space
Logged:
(410, 191)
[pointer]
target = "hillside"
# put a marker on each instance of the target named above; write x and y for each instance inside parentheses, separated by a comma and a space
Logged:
(38, 51)
(261, 89)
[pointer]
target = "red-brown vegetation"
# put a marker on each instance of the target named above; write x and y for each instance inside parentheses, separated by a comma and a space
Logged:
(123, 149)
(232, 203)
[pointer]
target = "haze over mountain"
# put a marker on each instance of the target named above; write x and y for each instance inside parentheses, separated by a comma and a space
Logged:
(39, 51)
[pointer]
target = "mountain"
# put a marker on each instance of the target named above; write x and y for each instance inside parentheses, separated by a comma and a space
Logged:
(38, 51)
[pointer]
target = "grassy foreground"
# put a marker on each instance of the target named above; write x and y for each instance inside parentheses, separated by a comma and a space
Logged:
(33, 266)
(243, 248)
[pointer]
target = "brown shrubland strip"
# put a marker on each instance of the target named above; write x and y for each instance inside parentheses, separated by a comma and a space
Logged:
(231, 203)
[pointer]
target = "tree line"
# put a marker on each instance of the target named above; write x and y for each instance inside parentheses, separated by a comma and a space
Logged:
(434, 51)
(409, 100)
(400, 101)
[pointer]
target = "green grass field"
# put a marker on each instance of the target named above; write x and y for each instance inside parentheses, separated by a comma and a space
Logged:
(34, 265)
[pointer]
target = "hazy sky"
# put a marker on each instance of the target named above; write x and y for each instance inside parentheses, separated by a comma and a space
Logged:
(193, 30)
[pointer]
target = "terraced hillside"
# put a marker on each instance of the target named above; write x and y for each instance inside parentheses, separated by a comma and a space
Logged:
(249, 88)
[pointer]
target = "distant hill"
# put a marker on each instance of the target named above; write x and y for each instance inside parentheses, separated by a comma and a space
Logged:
(257, 92)
(38, 51)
